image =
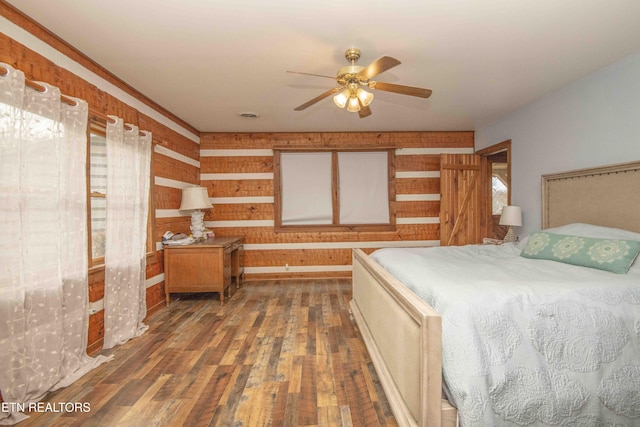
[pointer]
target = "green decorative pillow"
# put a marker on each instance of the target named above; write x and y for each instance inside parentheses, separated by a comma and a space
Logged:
(611, 255)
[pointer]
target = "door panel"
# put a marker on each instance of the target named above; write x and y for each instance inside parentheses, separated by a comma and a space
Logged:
(461, 181)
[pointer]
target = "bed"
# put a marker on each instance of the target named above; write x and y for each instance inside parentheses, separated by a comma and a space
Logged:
(404, 334)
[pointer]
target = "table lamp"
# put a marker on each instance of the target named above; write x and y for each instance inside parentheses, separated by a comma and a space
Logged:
(194, 199)
(511, 216)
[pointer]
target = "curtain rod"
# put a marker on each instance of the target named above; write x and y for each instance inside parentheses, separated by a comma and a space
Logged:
(34, 85)
(102, 117)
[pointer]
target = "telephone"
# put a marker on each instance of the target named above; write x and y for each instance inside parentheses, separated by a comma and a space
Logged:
(168, 238)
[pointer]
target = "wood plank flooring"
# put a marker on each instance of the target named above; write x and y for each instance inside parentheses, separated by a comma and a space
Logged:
(276, 354)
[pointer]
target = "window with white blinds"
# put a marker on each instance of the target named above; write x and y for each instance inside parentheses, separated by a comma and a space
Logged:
(97, 188)
(306, 188)
(98, 192)
(333, 189)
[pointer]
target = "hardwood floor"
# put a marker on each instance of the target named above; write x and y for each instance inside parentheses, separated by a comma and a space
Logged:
(276, 354)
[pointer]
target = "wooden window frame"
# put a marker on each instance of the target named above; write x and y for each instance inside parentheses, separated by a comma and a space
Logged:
(97, 125)
(335, 191)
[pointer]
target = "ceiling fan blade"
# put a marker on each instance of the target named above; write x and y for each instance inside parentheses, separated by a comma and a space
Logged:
(378, 66)
(403, 90)
(364, 111)
(311, 74)
(318, 98)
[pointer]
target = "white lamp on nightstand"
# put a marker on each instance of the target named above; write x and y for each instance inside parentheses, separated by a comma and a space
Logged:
(511, 216)
(194, 199)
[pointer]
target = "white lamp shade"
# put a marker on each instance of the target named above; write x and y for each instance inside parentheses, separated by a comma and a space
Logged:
(512, 216)
(353, 105)
(341, 99)
(195, 198)
(365, 97)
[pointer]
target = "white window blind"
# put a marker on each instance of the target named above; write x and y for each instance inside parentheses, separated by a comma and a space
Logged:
(361, 179)
(306, 188)
(98, 183)
(364, 183)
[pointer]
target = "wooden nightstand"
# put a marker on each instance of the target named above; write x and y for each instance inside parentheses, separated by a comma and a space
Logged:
(208, 266)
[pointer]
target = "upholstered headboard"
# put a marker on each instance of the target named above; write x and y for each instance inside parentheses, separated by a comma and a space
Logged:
(608, 196)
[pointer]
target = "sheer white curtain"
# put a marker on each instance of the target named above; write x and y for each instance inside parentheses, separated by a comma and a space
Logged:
(128, 181)
(43, 250)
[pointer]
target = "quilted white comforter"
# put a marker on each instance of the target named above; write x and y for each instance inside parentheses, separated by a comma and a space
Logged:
(530, 342)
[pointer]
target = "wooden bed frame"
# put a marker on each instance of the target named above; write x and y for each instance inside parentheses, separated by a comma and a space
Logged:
(403, 333)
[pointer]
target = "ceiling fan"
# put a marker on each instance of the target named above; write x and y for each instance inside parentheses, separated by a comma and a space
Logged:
(353, 77)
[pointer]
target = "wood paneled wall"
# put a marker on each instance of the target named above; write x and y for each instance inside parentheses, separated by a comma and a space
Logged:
(237, 170)
(175, 158)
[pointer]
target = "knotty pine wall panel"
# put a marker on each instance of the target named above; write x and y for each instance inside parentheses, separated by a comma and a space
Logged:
(298, 257)
(96, 284)
(239, 187)
(237, 170)
(170, 139)
(418, 186)
(177, 224)
(417, 162)
(169, 166)
(167, 197)
(415, 209)
(240, 211)
(174, 169)
(247, 164)
(95, 336)
(446, 140)
(256, 236)
(155, 293)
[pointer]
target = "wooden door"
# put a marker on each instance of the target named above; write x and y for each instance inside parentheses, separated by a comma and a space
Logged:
(461, 185)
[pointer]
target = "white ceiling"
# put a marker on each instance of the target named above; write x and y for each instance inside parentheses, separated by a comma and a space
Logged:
(206, 61)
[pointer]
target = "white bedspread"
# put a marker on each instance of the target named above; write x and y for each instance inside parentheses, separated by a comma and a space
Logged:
(530, 342)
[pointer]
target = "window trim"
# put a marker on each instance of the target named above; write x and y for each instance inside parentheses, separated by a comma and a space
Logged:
(277, 190)
(97, 125)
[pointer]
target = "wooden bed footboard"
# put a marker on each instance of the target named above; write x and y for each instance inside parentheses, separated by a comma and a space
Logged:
(403, 336)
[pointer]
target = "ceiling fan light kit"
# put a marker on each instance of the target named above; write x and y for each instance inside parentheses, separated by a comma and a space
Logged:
(352, 98)
(351, 79)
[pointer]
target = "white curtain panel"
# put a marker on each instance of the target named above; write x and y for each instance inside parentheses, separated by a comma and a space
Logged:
(128, 181)
(43, 250)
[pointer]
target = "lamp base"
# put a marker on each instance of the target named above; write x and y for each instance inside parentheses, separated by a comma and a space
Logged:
(511, 236)
(197, 225)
